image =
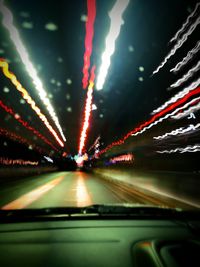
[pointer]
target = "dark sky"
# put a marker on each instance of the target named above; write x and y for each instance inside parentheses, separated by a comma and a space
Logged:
(129, 94)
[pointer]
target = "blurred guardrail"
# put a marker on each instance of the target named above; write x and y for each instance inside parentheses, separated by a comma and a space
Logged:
(177, 186)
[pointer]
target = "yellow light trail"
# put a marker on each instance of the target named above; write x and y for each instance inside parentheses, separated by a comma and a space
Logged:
(7, 21)
(27, 97)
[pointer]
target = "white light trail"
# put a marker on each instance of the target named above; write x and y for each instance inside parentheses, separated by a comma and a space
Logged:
(87, 111)
(191, 116)
(169, 115)
(185, 24)
(187, 112)
(86, 120)
(15, 37)
(187, 58)
(179, 43)
(48, 159)
(179, 131)
(186, 76)
(115, 26)
(194, 148)
(179, 95)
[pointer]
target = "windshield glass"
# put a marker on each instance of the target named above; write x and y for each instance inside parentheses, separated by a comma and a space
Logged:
(99, 103)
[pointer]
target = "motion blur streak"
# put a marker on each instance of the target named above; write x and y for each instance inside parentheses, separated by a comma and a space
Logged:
(15, 37)
(179, 44)
(32, 196)
(25, 124)
(20, 139)
(187, 75)
(88, 108)
(187, 112)
(169, 115)
(6, 161)
(29, 100)
(91, 7)
(152, 122)
(115, 25)
(179, 95)
(48, 159)
(194, 148)
(95, 143)
(185, 24)
(82, 195)
(122, 158)
(179, 131)
(187, 58)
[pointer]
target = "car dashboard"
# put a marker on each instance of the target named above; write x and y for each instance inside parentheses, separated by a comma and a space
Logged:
(100, 242)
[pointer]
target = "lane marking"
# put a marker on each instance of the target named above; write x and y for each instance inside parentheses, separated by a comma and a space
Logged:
(32, 196)
(82, 195)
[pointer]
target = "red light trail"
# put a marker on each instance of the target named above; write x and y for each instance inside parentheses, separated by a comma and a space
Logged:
(122, 158)
(14, 35)
(91, 7)
(20, 140)
(25, 124)
(6, 161)
(88, 108)
(27, 97)
(153, 118)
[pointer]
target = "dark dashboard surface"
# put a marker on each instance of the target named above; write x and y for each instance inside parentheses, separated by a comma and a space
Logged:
(98, 243)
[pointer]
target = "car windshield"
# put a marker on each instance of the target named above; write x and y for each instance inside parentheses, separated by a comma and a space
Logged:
(99, 103)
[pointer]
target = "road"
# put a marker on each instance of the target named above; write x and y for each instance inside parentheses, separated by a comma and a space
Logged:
(78, 188)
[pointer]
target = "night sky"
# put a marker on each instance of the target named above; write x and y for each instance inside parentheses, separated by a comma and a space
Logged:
(54, 32)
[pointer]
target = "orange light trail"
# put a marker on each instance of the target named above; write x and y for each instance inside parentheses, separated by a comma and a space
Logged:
(7, 21)
(6, 161)
(88, 108)
(25, 124)
(27, 97)
(91, 7)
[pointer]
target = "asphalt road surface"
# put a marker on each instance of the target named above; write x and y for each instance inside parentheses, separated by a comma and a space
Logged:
(60, 189)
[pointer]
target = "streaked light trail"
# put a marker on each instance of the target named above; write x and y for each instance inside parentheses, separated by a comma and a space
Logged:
(187, 112)
(6, 161)
(169, 115)
(25, 124)
(20, 140)
(115, 26)
(179, 43)
(48, 159)
(187, 58)
(186, 23)
(29, 100)
(191, 116)
(96, 143)
(194, 148)
(186, 76)
(179, 131)
(179, 95)
(88, 108)
(15, 37)
(153, 120)
(122, 158)
(91, 7)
